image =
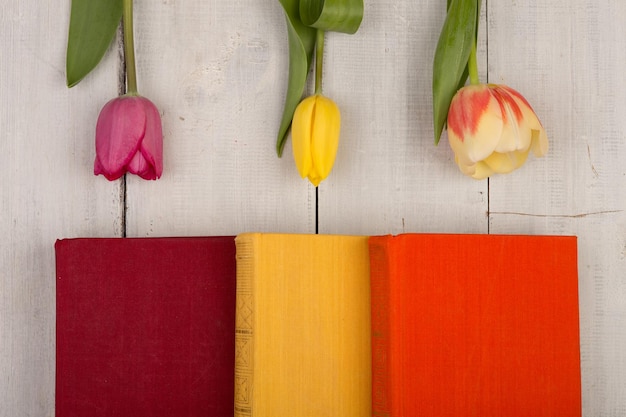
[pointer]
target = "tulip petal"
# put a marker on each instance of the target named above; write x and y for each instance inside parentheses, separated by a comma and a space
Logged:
(467, 168)
(482, 171)
(98, 169)
(531, 132)
(325, 138)
(119, 130)
(301, 135)
(536, 133)
(474, 124)
(467, 107)
(140, 166)
(539, 141)
(152, 144)
(478, 170)
(515, 134)
(503, 163)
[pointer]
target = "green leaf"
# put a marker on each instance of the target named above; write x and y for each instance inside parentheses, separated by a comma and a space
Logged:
(332, 15)
(466, 70)
(301, 47)
(458, 35)
(92, 27)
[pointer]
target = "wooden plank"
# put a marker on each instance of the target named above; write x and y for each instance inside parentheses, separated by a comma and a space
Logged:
(389, 176)
(48, 190)
(567, 57)
(218, 72)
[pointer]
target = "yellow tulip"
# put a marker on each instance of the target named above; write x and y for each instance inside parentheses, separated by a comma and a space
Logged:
(491, 129)
(315, 136)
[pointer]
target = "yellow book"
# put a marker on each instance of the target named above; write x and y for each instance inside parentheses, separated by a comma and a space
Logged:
(302, 342)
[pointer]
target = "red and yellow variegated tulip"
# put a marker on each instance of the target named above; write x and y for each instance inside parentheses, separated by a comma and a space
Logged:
(491, 129)
(315, 136)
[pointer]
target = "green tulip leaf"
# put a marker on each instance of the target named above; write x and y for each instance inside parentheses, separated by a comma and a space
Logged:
(301, 47)
(92, 27)
(466, 71)
(332, 15)
(450, 70)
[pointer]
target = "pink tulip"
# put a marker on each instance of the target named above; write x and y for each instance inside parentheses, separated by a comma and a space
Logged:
(129, 138)
(491, 129)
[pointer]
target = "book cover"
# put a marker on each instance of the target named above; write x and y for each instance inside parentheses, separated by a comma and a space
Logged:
(475, 325)
(145, 327)
(302, 326)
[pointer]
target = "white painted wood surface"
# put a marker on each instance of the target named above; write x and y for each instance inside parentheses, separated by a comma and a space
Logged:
(389, 176)
(217, 71)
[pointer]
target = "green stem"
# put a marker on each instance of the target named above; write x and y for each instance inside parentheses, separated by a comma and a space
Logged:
(129, 48)
(472, 65)
(319, 60)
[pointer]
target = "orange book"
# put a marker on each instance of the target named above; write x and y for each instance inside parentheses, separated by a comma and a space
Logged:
(475, 325)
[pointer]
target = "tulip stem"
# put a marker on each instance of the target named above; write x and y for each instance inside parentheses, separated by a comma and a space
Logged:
(129, 48)
(319, 60)
(472, 66)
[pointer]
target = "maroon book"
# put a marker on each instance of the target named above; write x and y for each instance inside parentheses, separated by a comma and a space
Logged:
(145, 327)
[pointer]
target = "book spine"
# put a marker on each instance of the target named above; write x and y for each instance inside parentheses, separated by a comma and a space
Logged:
(244, 326)
(380, 292)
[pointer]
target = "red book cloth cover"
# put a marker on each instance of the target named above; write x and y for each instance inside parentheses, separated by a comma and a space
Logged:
(145, 327)
(475, 325)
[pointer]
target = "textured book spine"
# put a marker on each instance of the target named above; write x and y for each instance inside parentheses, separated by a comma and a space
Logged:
(380, 292)
(244, 326)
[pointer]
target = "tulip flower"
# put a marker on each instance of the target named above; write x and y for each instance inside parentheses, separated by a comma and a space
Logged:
(129, 138)
(315, 136)
(491, 129)
(307, 21)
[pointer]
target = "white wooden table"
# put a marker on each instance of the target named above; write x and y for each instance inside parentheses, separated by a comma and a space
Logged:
(217, 71)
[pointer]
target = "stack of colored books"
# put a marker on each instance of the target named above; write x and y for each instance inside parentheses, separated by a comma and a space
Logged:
(278, 325)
